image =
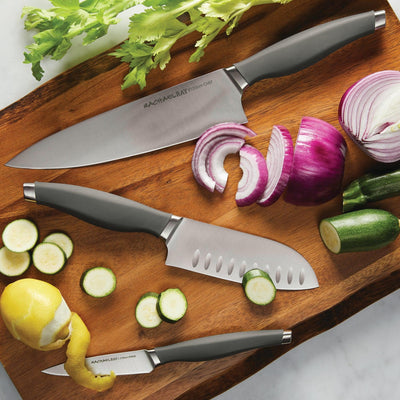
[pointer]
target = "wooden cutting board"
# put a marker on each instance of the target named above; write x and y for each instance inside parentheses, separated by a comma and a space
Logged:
(164, 180)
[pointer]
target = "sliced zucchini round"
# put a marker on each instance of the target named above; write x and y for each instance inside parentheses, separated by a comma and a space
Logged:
(48, 258)
(172, 305)
(62, 240)
(14, 264)
(20, 235)
(146, 311)
(98, 281)
(258, 287)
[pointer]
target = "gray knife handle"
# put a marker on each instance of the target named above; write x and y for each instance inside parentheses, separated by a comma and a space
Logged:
(306, 48)
(98, 208)
(212, 347)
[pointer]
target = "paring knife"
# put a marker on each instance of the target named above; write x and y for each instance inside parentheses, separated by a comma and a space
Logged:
(183, 112)
(192, 245)
(202, 349)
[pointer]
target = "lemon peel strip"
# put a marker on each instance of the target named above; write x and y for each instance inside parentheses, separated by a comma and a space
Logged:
(76, 353)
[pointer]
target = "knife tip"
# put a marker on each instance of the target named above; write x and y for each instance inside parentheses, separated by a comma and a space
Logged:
(12, 164)
(57, 370)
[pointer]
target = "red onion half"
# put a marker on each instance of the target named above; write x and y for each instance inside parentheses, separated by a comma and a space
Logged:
(279, 165)
(369, 113)
(254, 178)
(212, 147)
(318, 163)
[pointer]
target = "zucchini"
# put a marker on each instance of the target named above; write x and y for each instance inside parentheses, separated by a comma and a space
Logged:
(146, 311)
(172, 305)
(373, 186)
(258, 287)
(14, 264)
(98, 281)
(359, 230)
(20, 235)
(62, 240)
(48, 258)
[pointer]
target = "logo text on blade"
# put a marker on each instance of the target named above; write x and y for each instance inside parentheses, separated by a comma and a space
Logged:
(114, 358)
(175, 94)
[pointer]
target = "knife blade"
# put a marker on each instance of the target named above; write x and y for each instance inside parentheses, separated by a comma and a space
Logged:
(201, 349)
(395, 5)
(7, 388)
(182, 113)
(196, 246)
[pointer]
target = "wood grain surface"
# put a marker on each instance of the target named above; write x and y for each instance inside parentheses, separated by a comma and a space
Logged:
(164, 180)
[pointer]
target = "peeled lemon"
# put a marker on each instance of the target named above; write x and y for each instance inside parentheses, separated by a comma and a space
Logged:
(35, 313)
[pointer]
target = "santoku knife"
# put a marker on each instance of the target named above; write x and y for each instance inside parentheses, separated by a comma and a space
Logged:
(202, 349)
(192, 245)
(183, 112)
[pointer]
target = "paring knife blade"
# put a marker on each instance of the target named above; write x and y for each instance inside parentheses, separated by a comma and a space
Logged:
(202, 349)
(192, 245)
(183, 112)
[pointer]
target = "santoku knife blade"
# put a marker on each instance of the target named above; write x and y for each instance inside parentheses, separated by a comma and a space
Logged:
(202, 349)
(192, 245)
(183, 112)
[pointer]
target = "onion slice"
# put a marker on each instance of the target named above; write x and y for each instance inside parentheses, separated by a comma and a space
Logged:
(211, 138)
(279, 165)
(318, 163)
(369, 112)
(255, 176)
(215, 162)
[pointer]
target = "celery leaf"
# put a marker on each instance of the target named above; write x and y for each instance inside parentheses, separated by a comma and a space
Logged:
(152, 33)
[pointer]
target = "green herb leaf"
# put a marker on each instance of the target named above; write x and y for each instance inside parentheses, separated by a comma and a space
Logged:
(152, 33)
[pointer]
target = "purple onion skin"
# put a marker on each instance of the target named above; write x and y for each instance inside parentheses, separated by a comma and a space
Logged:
(318, 164)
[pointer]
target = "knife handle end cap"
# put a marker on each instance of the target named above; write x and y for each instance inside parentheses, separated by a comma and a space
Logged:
(29, 192)
(380, 19)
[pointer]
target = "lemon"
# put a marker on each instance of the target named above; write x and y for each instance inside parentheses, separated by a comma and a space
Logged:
(76, 354)
(35, 313)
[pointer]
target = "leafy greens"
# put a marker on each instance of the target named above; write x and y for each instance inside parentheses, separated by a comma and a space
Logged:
(152, 32)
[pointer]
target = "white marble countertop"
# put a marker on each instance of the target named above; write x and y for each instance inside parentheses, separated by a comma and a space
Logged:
(358, 359)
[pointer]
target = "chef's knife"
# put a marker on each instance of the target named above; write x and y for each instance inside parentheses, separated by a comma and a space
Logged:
(192, 245)
(182, 113)
(202, 349)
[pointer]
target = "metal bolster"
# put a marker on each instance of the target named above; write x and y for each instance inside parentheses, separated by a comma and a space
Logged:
(153, 357)
(236, 78)
(170, 227)
(287, 337)
(29, 192)
(380, 19)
